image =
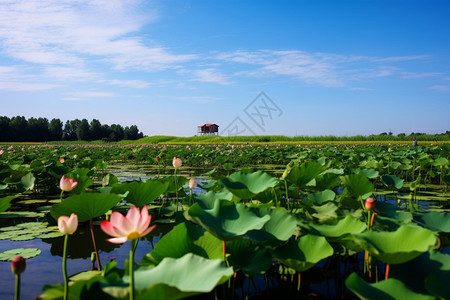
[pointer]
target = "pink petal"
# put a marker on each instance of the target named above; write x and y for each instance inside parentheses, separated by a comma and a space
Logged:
(145, 219)
(109, 229)
(74, 184)
(134, 216)
(118, 240)
(144, 233)
(117, 220)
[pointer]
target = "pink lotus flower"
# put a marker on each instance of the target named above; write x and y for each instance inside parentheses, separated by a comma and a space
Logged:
(18, 265)
(192, 183)
(67, 184)
(370, 204)
(130, 227)
(68, 225)
(1, 152)
(61, 160)
(177, 162)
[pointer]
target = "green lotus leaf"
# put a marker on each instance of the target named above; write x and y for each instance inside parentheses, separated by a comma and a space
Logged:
(185, 238)
(6, 235)
(141, 193)
(176, 278)
(5, 203)
(369, 173)
(247, 185)
(325, 213)
(347, 225)
(207, 200)
(399, 246)
(384, 290)
(24, 237)
(392, 182)
(26, 183)
(440, 161)
(425, 265)
(433, 220)
(280, 227)
(322, 197)
(226, 220)
(86, 206)
(327, 181)
(26, 253)
(303, 253)
(20, 214)
(50, 235)
(357, 185)
(303, 174)
(253, 260)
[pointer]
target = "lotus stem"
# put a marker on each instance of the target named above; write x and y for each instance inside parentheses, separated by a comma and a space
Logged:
(17, 288)
(224, 249)
(387, 271)
(299, 278)
(131, 265)
(91, 225)
(176, 186)
(287, 193)
(64, 268)
(61, 196)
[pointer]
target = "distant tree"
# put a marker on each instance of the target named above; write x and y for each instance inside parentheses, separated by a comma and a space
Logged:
(5, 131)
(132, 133)
(82, 131)
(55, 129)
(116, 132)
(18, 126)
(38, 130)
(95, 130)
(401, 134)
(70, 130)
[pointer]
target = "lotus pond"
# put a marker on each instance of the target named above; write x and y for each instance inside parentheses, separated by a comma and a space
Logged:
(261, 221)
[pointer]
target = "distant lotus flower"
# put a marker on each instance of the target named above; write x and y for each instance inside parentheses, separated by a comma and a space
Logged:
(158, 158)
(192, 183)
(67, 184)
(370, 204)
(18, 265)
(75, 156)
(389, 150)
(68, 225)
(130, 227)
(61, 160)
(177, 162)
(1, 152)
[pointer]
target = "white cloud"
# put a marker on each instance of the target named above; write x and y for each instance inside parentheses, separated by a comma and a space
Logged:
(441, 88)
(85, 95)
(210, 75)
(64, 32)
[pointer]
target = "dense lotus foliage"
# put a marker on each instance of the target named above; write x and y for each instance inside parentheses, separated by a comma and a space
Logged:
(263, 220)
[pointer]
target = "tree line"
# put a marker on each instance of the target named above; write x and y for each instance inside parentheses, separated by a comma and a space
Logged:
(20, 129)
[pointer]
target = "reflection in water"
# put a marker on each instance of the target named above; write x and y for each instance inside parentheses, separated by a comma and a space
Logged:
(47, 267)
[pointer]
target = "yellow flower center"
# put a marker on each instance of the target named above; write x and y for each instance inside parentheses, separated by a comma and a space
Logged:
(133, 235)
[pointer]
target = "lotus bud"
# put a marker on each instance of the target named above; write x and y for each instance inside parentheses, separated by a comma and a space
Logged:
(68, 225)
(389, 150)
(18, 265)
(67, 184)
(177, 162)
(370, 204)
(158, 158)
(192, 183)
(61, 160)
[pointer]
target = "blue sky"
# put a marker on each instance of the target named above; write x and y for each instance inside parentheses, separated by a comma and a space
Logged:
(327, 67)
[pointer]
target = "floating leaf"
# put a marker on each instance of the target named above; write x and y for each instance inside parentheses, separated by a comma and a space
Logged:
(26, 253)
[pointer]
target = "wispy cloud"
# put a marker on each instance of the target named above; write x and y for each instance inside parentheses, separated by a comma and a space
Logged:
(64, 32)
(441, 88)
(325, 69)
(210, 75)
(86, 95)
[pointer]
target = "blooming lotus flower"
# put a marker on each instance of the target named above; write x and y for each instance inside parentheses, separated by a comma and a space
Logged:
(68, 225)
(130, 227)
(61, 160)
(177, 162)
(67, 184)
(369, 204)
(192, 183)
(1, 152)
(18, 265)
